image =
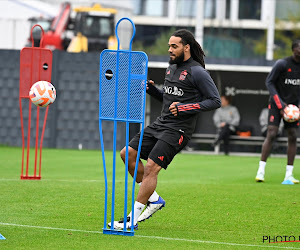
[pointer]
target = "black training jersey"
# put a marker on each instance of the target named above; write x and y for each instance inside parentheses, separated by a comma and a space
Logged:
(283, 82)
(190, 85)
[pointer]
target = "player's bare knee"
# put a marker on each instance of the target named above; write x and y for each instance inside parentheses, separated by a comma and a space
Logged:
(148, 173)
(292, 140)
(131, 154)
(123, 153)
(272, 133)
(151, 169)
(292, 136)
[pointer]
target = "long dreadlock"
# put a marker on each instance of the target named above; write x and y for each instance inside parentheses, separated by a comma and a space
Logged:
(188, 38)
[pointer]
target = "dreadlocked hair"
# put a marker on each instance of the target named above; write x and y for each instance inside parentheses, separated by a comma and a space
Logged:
(188, 38)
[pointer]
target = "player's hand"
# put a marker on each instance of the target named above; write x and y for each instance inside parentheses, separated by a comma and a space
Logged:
(173, 108)
(282, 112)
(222, 124)
(149, 82)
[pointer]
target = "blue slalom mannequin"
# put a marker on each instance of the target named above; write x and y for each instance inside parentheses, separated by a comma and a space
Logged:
(122, 96)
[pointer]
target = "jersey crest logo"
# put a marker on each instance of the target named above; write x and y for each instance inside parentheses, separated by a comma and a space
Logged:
(161, 158)
(183, 75)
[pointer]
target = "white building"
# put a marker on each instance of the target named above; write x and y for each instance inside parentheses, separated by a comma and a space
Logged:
(14, 15)
(223, 27)
(226, 26)
(14, 25)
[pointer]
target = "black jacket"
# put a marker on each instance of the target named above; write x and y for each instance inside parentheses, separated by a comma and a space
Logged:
(190, 85)
(283, 82)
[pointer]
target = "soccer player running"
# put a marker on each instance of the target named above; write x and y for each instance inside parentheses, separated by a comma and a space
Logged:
(188, 89)
(283, 83)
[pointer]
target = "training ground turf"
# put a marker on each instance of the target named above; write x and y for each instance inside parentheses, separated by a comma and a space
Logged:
(212, 202)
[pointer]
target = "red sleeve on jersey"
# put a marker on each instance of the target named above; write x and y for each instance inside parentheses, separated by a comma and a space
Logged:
(277, 101)
(187, 107)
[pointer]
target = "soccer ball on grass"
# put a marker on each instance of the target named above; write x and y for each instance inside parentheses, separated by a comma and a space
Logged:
(42, 93)
(291, 113)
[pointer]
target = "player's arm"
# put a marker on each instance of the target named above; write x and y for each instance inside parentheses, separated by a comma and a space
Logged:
(206, 86)
(235, 121)
(153, 91)
(272, 77)
(217, 118)
(263, 117)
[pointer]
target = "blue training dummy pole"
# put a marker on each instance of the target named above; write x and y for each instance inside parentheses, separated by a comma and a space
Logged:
(122, 95)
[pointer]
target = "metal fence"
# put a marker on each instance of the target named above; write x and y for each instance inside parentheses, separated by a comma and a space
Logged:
(73, 118)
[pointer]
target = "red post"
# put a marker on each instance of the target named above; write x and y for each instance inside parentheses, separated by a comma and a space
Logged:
(35, 65)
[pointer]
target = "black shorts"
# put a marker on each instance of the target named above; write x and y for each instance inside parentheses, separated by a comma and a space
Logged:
(159, 144)
(275, 117)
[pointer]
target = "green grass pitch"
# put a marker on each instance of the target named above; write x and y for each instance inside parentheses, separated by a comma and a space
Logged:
(212, 202)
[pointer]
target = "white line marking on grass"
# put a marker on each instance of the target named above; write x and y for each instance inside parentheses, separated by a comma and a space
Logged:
(211, 242)
(9, 179)
(146, 236)
(75, 180)
(130, 182)
(50, 228)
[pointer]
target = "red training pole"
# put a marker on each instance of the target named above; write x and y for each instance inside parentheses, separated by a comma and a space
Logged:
(35, 65)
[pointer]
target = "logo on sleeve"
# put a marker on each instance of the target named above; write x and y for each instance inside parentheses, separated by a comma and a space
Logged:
(180, 140)
(168, 72)
(161, 158)
(183, 75)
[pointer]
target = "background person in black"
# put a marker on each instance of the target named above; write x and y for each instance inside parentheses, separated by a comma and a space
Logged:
(188, 90)
(283, 83)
